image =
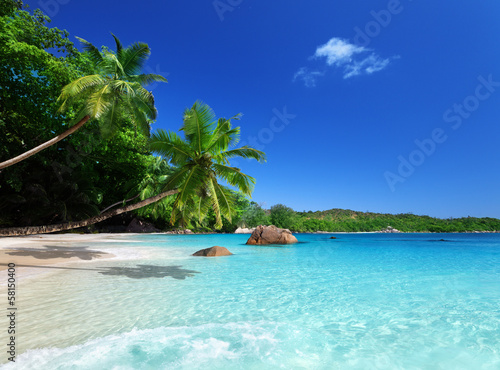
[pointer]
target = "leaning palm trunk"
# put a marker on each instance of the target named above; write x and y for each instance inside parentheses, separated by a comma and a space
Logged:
(45, 145)
(30, 230)
(120, 202)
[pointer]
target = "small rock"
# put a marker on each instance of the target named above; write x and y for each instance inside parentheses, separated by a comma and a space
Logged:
(215, 251)
(333, 237)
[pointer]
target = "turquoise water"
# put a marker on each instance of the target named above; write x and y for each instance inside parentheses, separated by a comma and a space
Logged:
(362, 301)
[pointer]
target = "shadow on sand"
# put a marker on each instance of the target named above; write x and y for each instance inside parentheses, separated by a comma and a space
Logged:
(52, 251)
(139, 272)
(83, 253)
(150, 271)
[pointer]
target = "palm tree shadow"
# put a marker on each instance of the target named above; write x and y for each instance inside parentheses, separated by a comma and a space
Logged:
(150, 271)
(52, 251)
(139, 272)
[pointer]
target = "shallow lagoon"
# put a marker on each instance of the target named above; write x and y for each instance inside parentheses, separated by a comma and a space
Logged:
(361, 301)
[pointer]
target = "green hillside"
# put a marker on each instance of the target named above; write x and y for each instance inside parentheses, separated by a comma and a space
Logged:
(345, 220)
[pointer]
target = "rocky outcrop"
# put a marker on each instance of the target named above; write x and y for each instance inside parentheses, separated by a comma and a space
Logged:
(333, 237)
(271, 235)
(389, 229)
(242, 230)
(179, 232)
(213, 252)
(138, 226)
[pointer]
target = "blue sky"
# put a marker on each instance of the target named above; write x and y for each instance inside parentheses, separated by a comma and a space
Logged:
(383, 106)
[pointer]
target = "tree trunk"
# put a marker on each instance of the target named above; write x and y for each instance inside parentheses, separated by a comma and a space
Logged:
(45, 145)
(120, 202)
(30, 230)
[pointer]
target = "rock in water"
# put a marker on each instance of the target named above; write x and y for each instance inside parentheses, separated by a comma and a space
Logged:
(271, 235)
(213, 252)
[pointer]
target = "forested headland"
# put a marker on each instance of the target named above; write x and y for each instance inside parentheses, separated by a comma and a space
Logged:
(342, 220)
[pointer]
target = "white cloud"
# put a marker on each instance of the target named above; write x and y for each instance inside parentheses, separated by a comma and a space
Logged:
(372, 63)
(340, 53)
(309, 77)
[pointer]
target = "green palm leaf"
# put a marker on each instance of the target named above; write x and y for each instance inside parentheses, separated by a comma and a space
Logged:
(225, 200)
(119, 47)
(194, 181)
(197, 123)
(78, 89)
(171, 145)
(244, 152)
(224, 136)
(235, 177)
(145, 80)
(99, 103)
(94, 53)
(134, 57)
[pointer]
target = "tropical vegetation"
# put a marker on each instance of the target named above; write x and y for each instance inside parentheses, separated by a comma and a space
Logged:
(81, 180)
(342, 220)
(200, 160)
(99, 162)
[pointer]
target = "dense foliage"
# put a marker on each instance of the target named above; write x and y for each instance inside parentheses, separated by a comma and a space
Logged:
(341, 220)
(77, 177)
(108, 162)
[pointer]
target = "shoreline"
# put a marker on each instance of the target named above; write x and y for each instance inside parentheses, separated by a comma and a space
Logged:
(60, 249)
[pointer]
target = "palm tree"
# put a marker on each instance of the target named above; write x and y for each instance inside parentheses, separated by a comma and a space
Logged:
(114, 94)
(201, 158)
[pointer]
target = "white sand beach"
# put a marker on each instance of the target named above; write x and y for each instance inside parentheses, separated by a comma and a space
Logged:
(42, 250)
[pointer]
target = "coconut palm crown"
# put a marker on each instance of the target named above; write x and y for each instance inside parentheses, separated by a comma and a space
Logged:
(201, 158)
(116, 91)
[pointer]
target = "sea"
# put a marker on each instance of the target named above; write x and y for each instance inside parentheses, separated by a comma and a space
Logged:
(360, 301)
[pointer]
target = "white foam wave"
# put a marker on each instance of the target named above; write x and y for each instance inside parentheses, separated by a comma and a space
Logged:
(232, 345)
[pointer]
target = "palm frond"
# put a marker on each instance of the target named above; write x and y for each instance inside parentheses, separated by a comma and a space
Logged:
(110, 118)
(225, 200)
(133, 57)
(98, 104)
(122, 87)
(93, 52)
(215, 204)
(243, 152)
(235, 177)
(119, 46)
(146, 79)
(75, 89)
(176, 179)
(223, 136)
(134, 113)
(197, 125)
(194, 179)
(145, 99)
(203, 206)
(112, 66)
(170, 145)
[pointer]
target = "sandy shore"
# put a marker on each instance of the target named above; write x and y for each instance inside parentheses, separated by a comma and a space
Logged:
(42, 250)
